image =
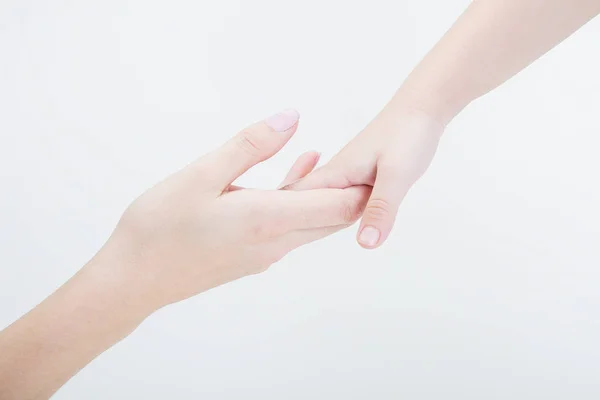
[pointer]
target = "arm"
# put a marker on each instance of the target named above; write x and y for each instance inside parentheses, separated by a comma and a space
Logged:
(491, 41)
(43, 349)
(188, 234)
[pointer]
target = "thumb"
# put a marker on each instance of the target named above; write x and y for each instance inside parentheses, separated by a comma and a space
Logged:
(251, 146)
(391, 185)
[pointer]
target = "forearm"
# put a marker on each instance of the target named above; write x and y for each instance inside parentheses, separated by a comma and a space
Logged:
(46, 347)
(492, 41)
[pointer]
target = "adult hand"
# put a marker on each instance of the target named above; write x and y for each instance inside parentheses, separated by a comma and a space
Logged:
(390, 154)
(189, 233)
(195, 230)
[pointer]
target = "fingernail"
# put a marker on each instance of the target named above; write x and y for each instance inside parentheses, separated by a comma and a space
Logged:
(369, 236)
(283, 121)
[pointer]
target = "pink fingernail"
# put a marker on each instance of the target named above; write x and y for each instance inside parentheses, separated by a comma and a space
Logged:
(369, 236)
(283, 121)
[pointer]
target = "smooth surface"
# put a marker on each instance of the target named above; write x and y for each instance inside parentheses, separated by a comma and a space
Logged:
(488, 287)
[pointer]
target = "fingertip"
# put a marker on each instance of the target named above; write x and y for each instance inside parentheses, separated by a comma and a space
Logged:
(303, 166)
(369, 237)
(284, 121)
(312, 158)
(317, 156)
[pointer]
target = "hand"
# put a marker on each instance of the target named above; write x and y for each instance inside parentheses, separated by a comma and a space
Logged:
(190, 233)
(390, 154)
(195, 231)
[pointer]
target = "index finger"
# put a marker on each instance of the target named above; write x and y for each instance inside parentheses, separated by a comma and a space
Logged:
(317, 208)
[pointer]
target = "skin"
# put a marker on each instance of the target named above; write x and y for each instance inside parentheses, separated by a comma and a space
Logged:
(190, 233)
(490, 42)
(195, 231)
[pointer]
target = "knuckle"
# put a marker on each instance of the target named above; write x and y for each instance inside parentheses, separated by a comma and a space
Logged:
(258, 230)
(256, 221)
(378, 209)
(262, 230)
(262, 267)
(274, 257)
(250, 143)
(349, 212)
(266, 259)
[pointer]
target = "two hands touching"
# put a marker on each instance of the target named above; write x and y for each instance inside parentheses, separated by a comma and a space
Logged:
(389, 155)
(191, 232)
(196, 230)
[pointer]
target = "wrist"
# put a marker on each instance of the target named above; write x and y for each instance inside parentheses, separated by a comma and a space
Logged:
(109, 282)
(434, 104)
(102, 301)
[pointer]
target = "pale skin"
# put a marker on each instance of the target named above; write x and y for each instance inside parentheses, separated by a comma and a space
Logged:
(195, 231)
(490, 42)
(190, 233)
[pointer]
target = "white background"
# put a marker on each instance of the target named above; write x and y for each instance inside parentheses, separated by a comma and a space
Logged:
(488, 287)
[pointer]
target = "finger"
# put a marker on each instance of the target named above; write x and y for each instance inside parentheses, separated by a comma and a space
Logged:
(328, 176)
(293, 240)
(391, 185)
(348, 168)
(234, 188)
(251, 146)
(302, 167)
(318, 208)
